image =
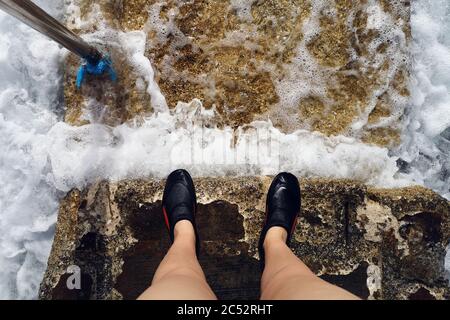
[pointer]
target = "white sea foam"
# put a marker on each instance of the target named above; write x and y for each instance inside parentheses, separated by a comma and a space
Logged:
(42, 157)
(425, 142)
(160, 144)
(29, 102)
(243, 9)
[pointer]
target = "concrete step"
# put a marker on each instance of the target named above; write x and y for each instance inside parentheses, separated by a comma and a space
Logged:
(377, 243)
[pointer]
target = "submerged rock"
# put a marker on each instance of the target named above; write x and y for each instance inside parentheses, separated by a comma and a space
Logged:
(337, 67)
(377, 243)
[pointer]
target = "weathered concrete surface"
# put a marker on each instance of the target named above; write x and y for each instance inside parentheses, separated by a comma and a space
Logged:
(337, 67)
(379, 244)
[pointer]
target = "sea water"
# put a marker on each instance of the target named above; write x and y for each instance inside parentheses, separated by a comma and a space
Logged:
(42, 157)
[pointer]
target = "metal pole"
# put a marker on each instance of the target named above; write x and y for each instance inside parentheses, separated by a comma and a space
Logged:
(30, 14)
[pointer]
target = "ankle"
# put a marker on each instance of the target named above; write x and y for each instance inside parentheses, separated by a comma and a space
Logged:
(275, 235)
(184, 230)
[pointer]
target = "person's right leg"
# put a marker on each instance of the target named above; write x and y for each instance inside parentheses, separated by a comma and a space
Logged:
(286, 277)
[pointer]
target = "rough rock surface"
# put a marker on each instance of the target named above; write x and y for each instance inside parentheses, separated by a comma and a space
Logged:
(337, 67)
(379, 244)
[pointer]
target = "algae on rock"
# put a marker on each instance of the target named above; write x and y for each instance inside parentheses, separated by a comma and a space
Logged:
(337, 67)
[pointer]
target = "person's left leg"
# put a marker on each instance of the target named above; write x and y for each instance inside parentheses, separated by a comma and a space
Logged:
(285, 276)
(179, 276)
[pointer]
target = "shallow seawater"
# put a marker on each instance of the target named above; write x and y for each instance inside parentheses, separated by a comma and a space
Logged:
(43, 157)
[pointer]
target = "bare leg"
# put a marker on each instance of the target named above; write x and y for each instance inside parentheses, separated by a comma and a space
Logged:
(286, 277)
(180, 276)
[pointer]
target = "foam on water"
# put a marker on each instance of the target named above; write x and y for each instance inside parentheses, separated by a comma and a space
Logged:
(426, 138)
(161, 144)
(43, 157)
(29, 100)
(243, 8)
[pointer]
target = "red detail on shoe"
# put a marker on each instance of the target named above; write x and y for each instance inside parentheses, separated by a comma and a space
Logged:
(166, 218)
(294, 225)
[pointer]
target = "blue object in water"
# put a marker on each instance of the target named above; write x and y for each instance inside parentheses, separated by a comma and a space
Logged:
(104, 65)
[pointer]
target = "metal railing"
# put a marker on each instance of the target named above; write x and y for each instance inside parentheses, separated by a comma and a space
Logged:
(30, 14)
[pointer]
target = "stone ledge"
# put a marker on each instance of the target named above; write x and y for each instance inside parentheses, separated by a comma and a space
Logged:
(377, 243)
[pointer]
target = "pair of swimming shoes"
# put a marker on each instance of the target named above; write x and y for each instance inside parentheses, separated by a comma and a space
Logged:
(282, 205)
